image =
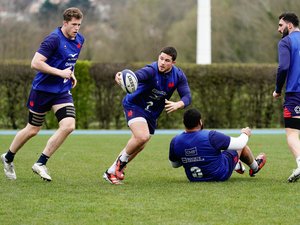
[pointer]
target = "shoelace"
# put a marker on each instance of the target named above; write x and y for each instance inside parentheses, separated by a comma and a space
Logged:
(10, 166)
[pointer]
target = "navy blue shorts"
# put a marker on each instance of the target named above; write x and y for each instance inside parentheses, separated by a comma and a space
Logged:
(134, 112)
(291, 107)
(232, 158)
(41, 102)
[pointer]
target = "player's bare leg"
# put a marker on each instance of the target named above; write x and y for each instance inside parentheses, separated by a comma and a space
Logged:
(255, 164)
(140, 136)
(132, 156)
(66, 126)
(292, 136)
(293, 141)
(19, 140)
(23, 136)
(247, 156)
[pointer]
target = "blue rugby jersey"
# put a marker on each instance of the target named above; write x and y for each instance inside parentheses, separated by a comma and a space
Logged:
(200, 154)
(289, 63)
(61, 53)
(154, 87)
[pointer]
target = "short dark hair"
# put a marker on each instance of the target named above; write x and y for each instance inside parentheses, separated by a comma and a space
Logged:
(72, 13)
(191, 118)
(290, 17)
(171, 51)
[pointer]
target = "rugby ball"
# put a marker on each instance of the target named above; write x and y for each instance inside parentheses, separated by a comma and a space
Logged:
(129, 82)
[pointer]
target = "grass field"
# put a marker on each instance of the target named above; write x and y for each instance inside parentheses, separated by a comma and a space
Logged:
(153, 193)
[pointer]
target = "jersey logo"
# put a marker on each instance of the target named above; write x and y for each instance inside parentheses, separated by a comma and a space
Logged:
(155, 97)
(73, 55)
(129, 113)
(170, 84)
(191, 151)
(78, 45)
(297, 109)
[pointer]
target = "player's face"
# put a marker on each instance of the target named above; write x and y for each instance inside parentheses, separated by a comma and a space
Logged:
(283, 28)
(165, 62)
(71, 28)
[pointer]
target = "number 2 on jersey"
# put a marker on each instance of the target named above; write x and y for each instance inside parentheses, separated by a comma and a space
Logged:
(196, 172)
(149, 104)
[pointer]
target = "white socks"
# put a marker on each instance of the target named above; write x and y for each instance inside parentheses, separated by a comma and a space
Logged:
(298, 161)
(124, 158)
(254, 166)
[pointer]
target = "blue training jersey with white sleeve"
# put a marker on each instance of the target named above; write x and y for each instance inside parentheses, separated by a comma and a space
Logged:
(154, 87)
(289, 63)
(61, 53)
(200, 154)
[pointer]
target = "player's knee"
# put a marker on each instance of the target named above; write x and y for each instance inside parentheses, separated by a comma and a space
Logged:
(142, 139)
(67, 126)
(32, 131)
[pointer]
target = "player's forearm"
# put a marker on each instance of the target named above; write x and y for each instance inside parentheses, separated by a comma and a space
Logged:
(237, 143)
(280, 80)
(45, 68)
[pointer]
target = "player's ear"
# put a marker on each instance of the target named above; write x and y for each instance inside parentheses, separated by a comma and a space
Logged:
(201, 124)
(290, 26)
(65, 23)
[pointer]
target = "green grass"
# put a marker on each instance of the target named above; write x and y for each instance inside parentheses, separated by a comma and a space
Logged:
(153, 193)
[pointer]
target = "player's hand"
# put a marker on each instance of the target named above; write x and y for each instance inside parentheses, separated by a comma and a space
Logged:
(246, 131)
(276, 95)
(66, 73)
(118, 78)
(74, 80)
(173, 106)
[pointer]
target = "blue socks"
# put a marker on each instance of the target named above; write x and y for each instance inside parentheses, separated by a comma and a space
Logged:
(43, 159)
(10, 156)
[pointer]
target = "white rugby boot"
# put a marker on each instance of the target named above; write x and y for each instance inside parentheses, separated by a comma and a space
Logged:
(9, 168)
(42, 171)
(295, 175)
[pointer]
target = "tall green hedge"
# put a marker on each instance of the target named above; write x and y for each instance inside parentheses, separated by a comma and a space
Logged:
(15, 81)
(228, 96)
(235, 95)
